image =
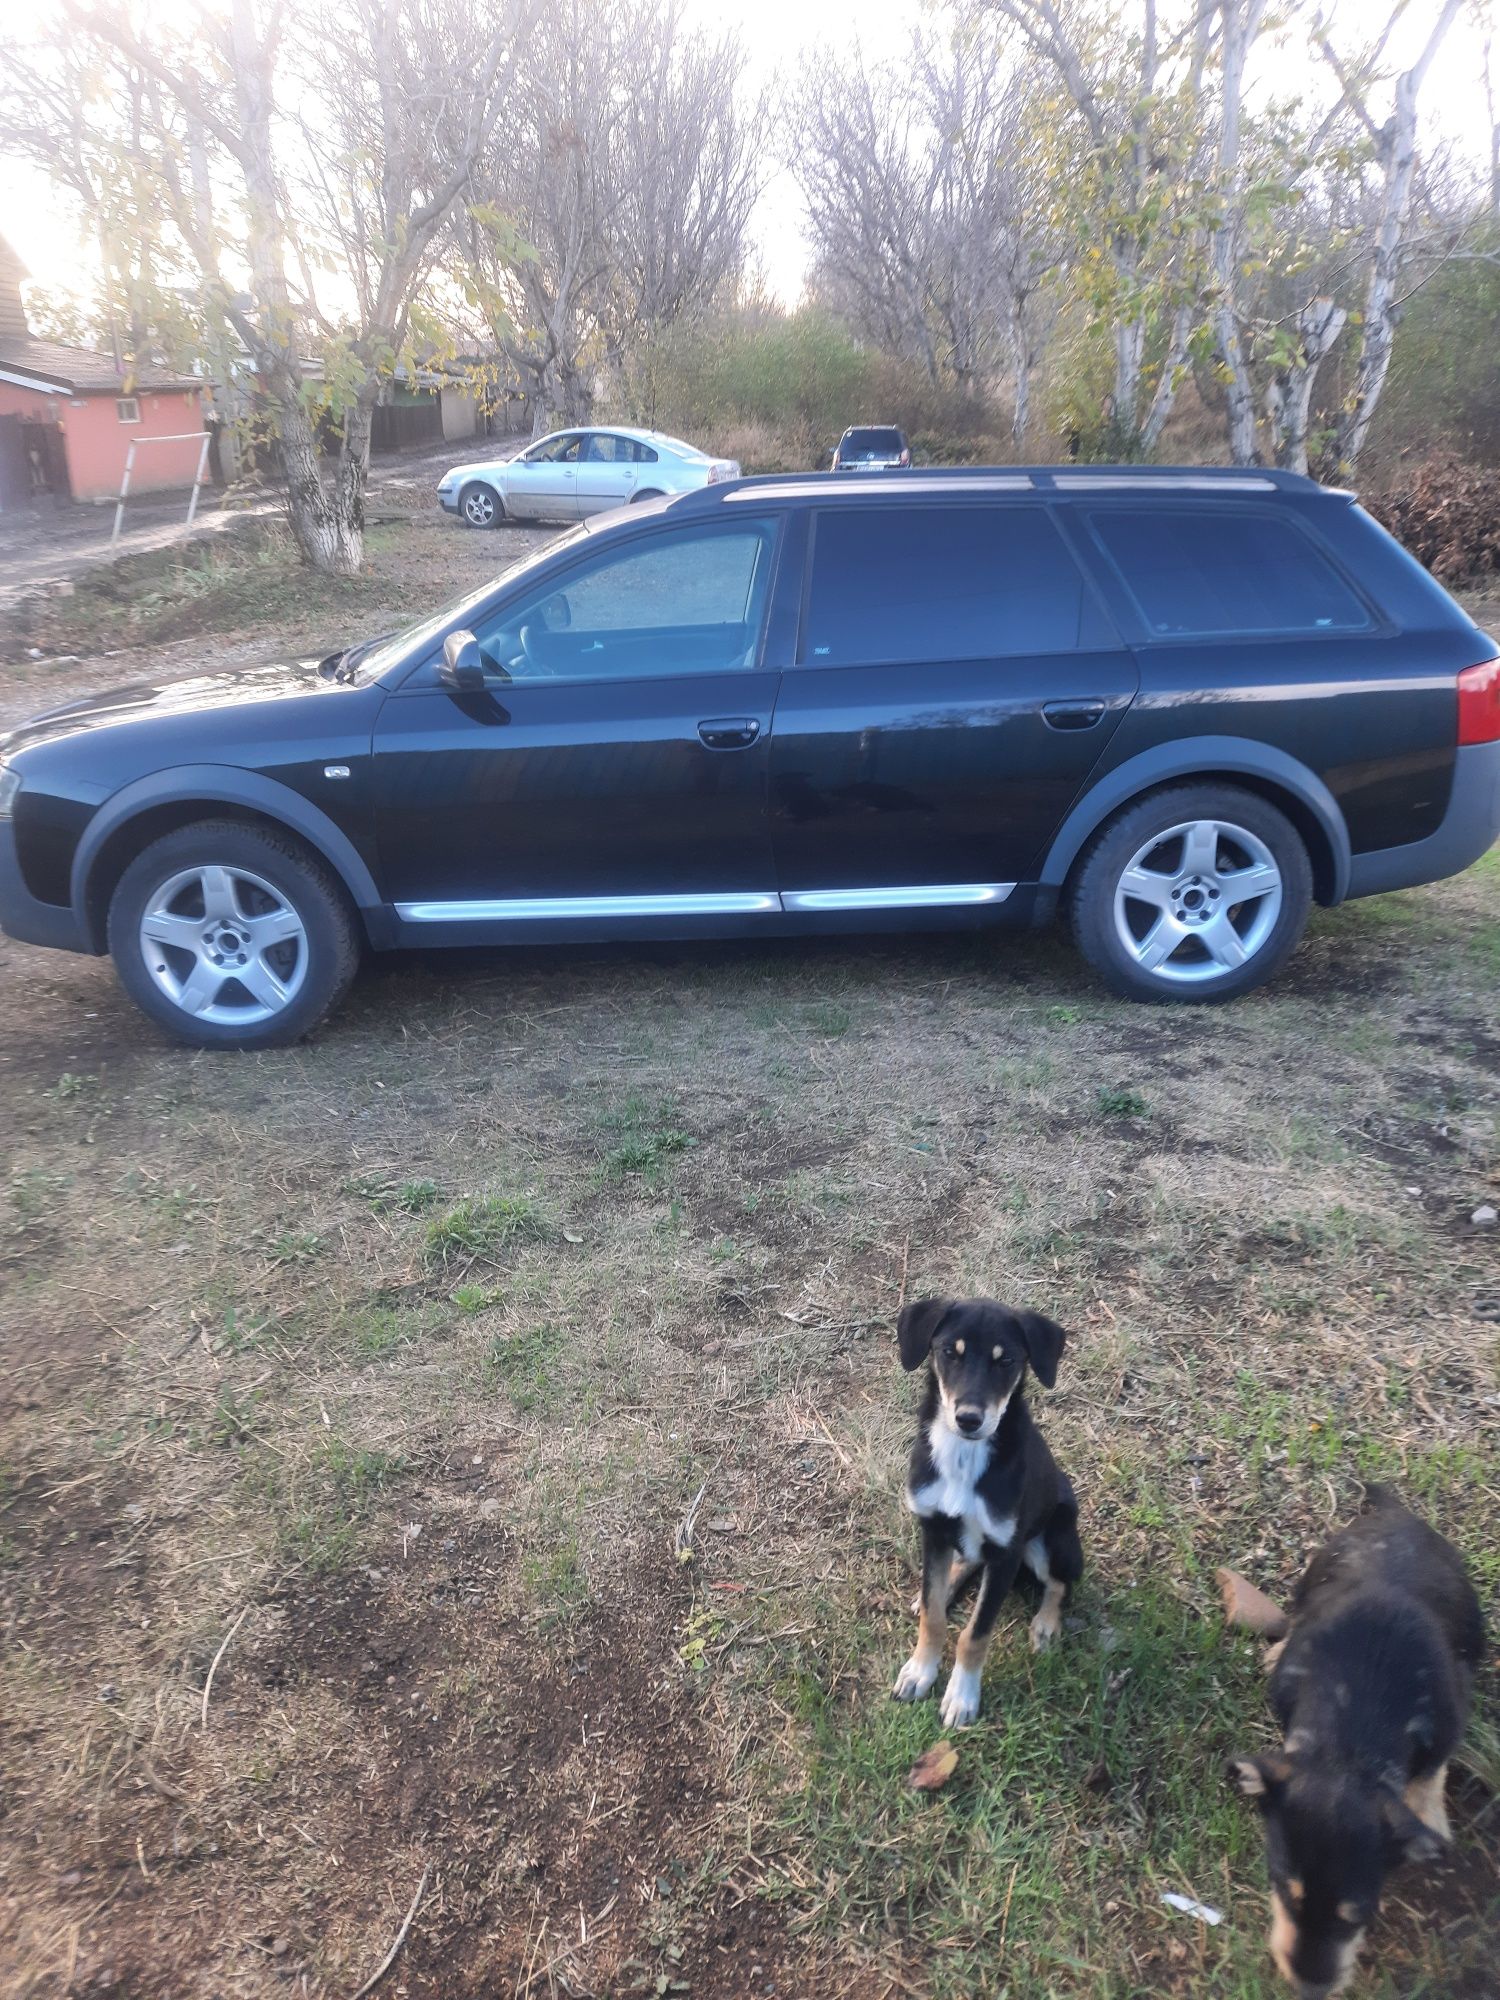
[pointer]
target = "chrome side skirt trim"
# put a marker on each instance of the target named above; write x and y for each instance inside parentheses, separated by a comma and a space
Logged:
(730, 903)
(916, 896)
(738, 902)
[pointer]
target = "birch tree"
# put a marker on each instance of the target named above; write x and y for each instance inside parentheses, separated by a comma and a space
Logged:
(1139, 197)
(1239, 23)
(1393, 147)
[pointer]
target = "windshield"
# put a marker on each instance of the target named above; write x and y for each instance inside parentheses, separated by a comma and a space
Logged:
(871, 440)
(404, 646)
(682, 450)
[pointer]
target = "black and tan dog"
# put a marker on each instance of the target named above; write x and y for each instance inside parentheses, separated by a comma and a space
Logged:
(1371, 1688)
(983, 1485)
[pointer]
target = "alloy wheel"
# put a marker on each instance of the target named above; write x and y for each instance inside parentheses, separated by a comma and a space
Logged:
(224, 945)
(1197, 901)
(479, 507)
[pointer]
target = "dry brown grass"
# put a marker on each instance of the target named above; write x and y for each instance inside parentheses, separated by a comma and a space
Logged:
(410, 1349)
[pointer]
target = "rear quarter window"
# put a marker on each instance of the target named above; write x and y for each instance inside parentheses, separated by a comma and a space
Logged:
(901, 585)
(1225, 572)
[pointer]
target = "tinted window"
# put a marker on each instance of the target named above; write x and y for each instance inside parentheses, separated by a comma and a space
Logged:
(895, 584)
(1224, 570)
(687, 602)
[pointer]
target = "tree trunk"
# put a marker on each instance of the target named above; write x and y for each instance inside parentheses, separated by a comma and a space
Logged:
(1238, 29)
(1399, 157)
(1240, 395)
(307, 505)
(1290, 391)
(1021, 416)
(1164, 401)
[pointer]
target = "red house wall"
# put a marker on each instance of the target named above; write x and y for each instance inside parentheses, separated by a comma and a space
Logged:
(95, 441)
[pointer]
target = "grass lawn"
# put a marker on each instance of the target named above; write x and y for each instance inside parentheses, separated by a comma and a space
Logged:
(497, 1400)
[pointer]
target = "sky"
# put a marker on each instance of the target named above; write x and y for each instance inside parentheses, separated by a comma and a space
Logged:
(782, 35)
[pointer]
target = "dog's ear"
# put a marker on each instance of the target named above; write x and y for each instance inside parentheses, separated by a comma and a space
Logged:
(1044, 1340)
(915, 1328)
(1407, 1837)
(1259, 1778)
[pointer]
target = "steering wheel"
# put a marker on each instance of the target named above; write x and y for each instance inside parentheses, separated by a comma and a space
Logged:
(538, 669)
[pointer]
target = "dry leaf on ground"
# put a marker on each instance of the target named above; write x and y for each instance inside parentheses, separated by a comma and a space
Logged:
(934, 1767)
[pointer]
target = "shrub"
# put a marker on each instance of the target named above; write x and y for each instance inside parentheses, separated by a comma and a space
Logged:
(1448, 515)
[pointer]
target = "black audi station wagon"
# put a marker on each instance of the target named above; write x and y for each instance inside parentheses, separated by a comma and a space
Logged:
(1179, 705)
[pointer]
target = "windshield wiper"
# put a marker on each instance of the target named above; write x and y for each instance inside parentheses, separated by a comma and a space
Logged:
(344, 665)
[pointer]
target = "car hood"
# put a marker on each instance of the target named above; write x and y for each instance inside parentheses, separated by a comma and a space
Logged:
(284, 680)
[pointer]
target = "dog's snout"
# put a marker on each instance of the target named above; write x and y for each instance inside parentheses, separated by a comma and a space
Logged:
(969, 1417)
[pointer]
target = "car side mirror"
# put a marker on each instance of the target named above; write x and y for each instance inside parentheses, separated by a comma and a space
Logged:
(462, 668)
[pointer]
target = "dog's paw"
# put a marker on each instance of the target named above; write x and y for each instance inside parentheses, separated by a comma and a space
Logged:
(915, 1679)
(1046, 1628)
(961, 1698)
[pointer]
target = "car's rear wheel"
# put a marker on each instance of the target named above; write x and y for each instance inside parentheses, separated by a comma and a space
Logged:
(1196, 893)
(651, 493)
(481, 506)
(231, 937)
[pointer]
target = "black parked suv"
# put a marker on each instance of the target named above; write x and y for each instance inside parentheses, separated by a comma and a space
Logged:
(871, 448)
(1179, 704)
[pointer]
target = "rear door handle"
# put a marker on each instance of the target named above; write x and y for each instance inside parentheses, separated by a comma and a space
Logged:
(1072, 714)
(729, 732)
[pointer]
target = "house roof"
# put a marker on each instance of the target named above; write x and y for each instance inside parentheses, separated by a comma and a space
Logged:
(81, 370)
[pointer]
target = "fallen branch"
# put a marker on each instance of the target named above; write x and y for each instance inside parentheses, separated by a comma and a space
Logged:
(391, 1956)
(224, 1648)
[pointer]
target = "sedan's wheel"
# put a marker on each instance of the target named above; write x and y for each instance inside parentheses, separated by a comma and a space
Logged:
(480, 506)
(650, 493)
(231, 937)
(1197, 893)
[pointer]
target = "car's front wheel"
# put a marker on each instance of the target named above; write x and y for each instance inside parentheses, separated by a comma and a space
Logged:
(1198, 892)
(231, 937)
(481, 506)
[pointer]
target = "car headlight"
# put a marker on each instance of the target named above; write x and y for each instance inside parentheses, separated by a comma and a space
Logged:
(10, 785)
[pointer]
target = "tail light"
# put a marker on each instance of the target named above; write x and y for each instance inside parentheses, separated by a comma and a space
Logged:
(904, 459)
(722, 469)
(1479, 703)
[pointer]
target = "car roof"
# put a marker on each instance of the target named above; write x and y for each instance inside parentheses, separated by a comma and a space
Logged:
(972, 481)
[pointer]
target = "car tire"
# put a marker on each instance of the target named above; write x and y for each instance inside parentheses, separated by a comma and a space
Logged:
(1153, 902)
(651, 493)
(232, 936)
(480, 506)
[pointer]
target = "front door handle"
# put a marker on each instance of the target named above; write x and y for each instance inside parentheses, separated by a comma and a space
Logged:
(1072, 714)
(729, 732)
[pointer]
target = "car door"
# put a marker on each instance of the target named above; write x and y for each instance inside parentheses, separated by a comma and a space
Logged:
(607, 472)
(542, 484)
(955, 681)
(614, 769)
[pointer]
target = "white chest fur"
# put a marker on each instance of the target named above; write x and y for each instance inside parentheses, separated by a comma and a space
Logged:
(958, 1466)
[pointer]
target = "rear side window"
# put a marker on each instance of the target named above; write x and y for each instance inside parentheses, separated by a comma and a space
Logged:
(898, 585)
(1222, 570)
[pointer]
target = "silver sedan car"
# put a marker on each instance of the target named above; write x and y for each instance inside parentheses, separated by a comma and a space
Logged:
(568, 475)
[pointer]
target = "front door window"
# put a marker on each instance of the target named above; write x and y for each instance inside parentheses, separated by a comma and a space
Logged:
(682, 602)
